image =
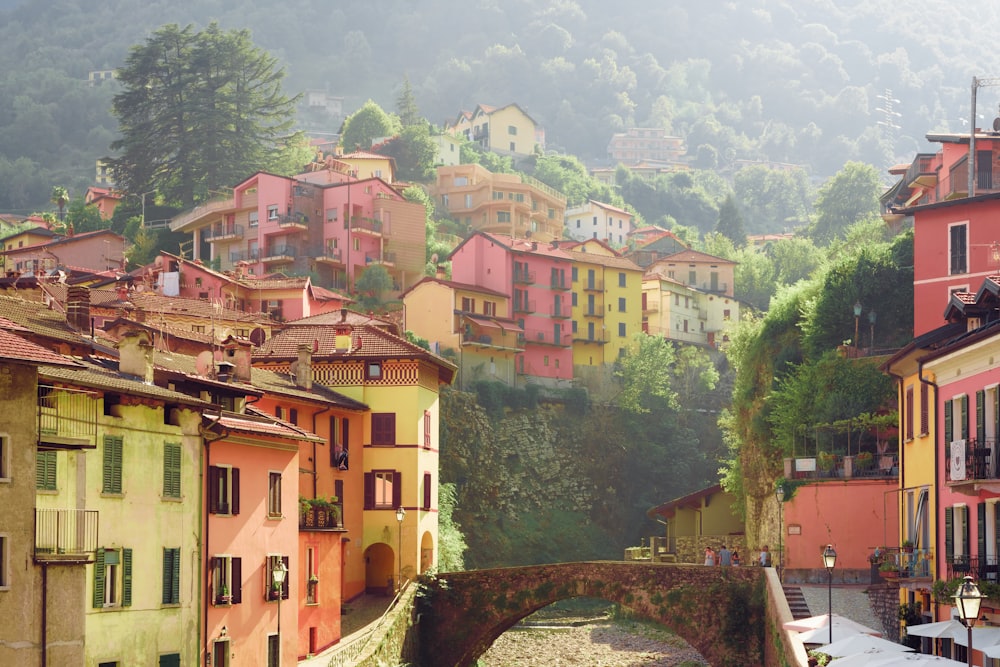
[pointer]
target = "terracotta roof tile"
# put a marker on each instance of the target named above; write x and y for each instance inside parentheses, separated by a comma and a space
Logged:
(41, 320)
(18, 349)
(103, 374)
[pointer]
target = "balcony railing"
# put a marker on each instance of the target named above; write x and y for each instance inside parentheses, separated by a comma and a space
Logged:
(971, 460)
(244, 256)
(596, 311)
(542, 337)
(599, 337)
(524, 277)
(67, 417)
(294, 221)
(593, 285)
(64, 534)
(978, 568)
(279, 252)
(368, 225)
(324, 254)
(559, 284)
(316, 518)
(563, 312)
(386, 258)
(223, 233)
(506, 341)
(921, 171)
(902, 562)
(836, 466)
(524, 306)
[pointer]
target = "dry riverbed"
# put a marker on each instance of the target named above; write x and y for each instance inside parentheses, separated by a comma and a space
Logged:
(590, 642)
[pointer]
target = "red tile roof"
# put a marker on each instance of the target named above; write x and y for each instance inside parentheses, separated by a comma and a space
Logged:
(15, 348)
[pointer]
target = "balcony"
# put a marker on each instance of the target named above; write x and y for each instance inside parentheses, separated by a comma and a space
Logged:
(716, 288)
(558, 284)
(902, 563)
(595, 311)
(561, 312)
(279, 253)
(836, 466)
(523, 277)
(922, 171)
(502, 341)
(980, 569)
(320, 519)
(210, 209)
(328, 255)
(370, 226)
(226, 233)
(387, 259)
(67, 418)
(244, 256)
(597, 338)
(593, 285)
(541, 337)
(651, 307)
(972, 465)
(524, 306)
(294, 221)
(64, 535)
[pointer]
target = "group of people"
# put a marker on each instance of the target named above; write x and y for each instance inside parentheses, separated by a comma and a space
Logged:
(726, 557)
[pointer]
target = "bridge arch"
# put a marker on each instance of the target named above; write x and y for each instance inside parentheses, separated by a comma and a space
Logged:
(720, 611)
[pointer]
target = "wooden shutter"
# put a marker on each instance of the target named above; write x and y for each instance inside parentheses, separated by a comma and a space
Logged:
(949, 429)
(949, 534)
(288, 578)
(925, 408)
(99, 579)
(909, 414)
(346, 432)
(168, 571)
(171, 576)
(338, 489)
(171, 470)
(45, 470)
(333, 441)
(981, 533)
(964, 424)
(369, 490)
(234, 491)
(427, 429)
(427, 490)
(964, 515)
(981, 417)
(397, 489)
(112, 474)
(126, 577)
(213, 489)
(236, 579)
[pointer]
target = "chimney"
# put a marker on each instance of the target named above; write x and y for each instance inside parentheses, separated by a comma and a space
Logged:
(555, 244)
(440, 273)
(78, 307)
(224, 372)
(534, 245)
(135, 356)
(303, 368)
(237, 353)
(343, 314)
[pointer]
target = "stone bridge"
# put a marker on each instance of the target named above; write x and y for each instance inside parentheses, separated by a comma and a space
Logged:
(720, 611)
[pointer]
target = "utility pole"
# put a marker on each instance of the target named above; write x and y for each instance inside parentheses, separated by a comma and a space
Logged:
(977, 83)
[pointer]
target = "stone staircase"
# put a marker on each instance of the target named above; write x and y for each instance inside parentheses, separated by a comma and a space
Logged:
(796, 602)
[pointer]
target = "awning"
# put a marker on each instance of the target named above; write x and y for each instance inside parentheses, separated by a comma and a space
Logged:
(494, 324)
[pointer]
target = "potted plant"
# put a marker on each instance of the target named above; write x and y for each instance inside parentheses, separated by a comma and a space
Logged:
(888, 570)
(826, 461)
(224, 596)
(864, 460)
(907, 546)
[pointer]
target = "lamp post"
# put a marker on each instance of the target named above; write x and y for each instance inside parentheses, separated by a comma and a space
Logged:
(779, 493)
(830, 560)
(278, 573)
(871, 323)
(400, 513)
(857, 316)
(967, 601)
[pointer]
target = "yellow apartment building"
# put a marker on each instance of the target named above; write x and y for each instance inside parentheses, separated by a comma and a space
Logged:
(506, 130)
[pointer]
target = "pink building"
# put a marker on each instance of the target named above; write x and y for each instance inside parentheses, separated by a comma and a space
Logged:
(536, 277)
(324, 223)
(102, 250)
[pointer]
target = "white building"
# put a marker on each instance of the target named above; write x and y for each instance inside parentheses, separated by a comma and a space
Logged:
(596, 220)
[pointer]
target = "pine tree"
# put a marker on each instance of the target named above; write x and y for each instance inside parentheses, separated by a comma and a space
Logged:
(406, 106)
(730, 223)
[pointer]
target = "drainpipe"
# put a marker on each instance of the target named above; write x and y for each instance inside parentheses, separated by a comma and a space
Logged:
(209, 437)
(937, 496)
(45, 616)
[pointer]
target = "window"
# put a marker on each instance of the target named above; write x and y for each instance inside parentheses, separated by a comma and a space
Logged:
(272, 213)
(223, 490)
(331, 214)
(274, 494)
(45, 471)
(293, 416)
(692, 277)
(427, 429)
(273, 650)
(227, 580)
(574, 326)
(427, 490)
(312, 577)
(513, 147)
(113, 578)
(468, 305)
(383, 489)
(924, 409)
(384, 428)
(489, 308)
(552, 214)
(497, 195)
(621, 304)
(112, 475)
(958, 248)
(171, 470)
(512, 130)
(621, 279)
(198, 328)
(503, 216)
(220, 653)
(908, 428)
(573, 273)
(271, 591)
(621, 328)
(468, 201)
(545, 360)
(171, 576)
(339, 442)
(4, 565)
(573, 298)
(373, 370)
(170, 660)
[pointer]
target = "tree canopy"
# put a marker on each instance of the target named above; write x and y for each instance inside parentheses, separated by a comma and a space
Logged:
(367, 124)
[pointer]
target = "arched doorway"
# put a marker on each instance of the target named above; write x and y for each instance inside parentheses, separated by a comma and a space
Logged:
(426, 552)
(380, 564)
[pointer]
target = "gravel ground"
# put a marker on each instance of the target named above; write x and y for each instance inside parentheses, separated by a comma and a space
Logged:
(598, 643)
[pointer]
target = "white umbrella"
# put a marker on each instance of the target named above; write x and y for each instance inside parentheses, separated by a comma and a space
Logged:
(991, 651)
(820, 621)
(980, 636)
(937, 630)
(841, 630)
(862, 643)
(911, 660)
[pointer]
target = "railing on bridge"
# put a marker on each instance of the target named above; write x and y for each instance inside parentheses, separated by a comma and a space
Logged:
(834, 466)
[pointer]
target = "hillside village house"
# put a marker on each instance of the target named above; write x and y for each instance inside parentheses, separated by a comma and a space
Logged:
(511, 204)
(645, 144)
(597, 220)
(38, 251)
(673, 309)
(507, 130)
(324, 221)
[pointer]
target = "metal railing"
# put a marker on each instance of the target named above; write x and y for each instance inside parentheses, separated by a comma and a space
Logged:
(293, 220)
(216, 233)
(902, 562)
(836, 466)
(244, 256)
(65, 532)
(524, 277)
(280, 251)
(316, 518)
(976, 459)
(67, 416)
(524, 306)
(987, 568)
(373, 225)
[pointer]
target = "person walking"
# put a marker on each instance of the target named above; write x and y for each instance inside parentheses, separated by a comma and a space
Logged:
(736, 557)
(709, 556)
(765, 557)
(725, 556)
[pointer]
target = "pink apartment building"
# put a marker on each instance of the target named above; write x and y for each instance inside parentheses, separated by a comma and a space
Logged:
(537, 279)
(325, 223)
(102, 250)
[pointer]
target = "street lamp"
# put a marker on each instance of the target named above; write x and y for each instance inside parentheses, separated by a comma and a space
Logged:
(967, 601)
(779, 493)
(278, 573)
(830, 560)
(400, 513)
(857, 315)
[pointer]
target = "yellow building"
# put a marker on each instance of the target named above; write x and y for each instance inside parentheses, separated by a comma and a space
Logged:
(507, 130)
(512, 204)
(607, 303)
(470, 322)
(365, 164)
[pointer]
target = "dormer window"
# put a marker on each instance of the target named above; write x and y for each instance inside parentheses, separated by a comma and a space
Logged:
(373, 370)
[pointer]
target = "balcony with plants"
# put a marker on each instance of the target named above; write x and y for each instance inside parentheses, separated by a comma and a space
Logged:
(321, 514)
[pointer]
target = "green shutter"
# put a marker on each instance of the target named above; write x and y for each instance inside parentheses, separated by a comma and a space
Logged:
(965, 531)
(949, 534)
(176, 578)
(126, 577)
(112, 474)
(171, 576)
(45, 471)
(168, 570)
(948, 425)
(981, 532)
(981, 417)
(99, 579)
(171, 470)
(965, 418)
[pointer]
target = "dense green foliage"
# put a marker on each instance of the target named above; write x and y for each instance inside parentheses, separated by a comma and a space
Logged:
(198, 111)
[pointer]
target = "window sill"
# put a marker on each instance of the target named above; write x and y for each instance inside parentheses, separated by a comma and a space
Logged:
(110, 494)
(171, 499)
(275, 517)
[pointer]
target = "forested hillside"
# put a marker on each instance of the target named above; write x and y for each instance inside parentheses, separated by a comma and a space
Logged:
(780, 80)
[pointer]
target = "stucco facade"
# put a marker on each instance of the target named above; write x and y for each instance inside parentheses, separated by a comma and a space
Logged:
(505, 130)
(597, 220)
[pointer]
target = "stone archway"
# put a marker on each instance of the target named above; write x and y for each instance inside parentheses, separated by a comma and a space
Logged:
(720, 611)
(426, 552)
(380, 568)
